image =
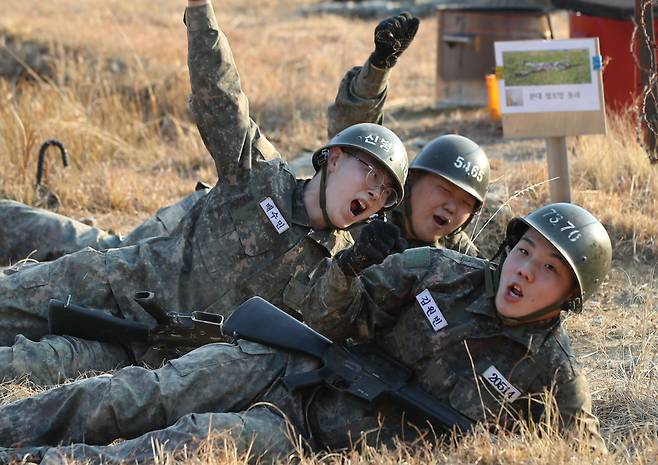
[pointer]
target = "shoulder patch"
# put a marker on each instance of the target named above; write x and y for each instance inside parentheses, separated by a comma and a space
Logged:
(417, 257)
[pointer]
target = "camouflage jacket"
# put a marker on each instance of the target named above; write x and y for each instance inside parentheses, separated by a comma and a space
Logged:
(430, 309)
(250, 234)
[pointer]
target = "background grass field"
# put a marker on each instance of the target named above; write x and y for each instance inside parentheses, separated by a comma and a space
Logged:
(116, 96)
(519, 73)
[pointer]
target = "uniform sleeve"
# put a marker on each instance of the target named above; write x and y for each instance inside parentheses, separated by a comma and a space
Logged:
(218, 105)
(360, 99)
(340, 306)
(574, 403)
(460, 242)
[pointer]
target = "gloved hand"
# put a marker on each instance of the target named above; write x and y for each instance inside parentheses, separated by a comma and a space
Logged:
(392, 37)
(376, 241)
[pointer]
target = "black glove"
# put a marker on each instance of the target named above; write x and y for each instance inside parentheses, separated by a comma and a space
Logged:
(376, 241)
(392, 37)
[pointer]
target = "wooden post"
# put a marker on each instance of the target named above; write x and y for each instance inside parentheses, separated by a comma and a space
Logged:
(558, 167)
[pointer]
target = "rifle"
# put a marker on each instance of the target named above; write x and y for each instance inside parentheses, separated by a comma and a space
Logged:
(362, 371)
(187, 330)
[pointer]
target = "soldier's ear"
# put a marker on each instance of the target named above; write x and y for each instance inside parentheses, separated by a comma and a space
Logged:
(334, 159)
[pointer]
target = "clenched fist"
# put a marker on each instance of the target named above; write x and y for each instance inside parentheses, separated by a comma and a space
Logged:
(392, 37)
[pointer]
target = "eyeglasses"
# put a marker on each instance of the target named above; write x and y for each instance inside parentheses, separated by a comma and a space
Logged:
(375, 181)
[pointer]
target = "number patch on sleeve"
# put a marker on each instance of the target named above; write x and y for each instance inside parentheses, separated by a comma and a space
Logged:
(500, 384)
(274, 215)
(431, 310)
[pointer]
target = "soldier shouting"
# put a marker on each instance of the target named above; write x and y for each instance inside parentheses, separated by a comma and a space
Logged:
(258, 231)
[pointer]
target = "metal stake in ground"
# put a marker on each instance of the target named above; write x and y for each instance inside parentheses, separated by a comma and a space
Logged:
(47, 197)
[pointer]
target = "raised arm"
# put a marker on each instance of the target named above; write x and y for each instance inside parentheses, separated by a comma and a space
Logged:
(363, 90)
(361, 97)
(219, 107)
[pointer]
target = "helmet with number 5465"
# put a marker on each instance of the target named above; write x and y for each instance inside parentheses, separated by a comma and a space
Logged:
(459, 160)
(578, 236)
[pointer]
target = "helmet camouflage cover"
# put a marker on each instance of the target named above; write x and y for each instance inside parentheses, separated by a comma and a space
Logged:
(578, 236)
(379, 142)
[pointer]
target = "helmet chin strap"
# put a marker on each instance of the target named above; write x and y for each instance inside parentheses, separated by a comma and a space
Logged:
(407, 210)
(462, 226)
(467, 222)
(534, 316)
(323, 197)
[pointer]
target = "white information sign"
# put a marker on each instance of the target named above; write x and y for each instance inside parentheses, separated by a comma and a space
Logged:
(538, 76)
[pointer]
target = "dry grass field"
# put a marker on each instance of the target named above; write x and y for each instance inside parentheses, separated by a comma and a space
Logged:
(116, 96)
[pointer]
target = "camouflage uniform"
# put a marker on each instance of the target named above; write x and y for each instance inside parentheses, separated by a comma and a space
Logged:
(361, 97)
(434, 310)
(225, 249)
(193, 395)
(42, 235)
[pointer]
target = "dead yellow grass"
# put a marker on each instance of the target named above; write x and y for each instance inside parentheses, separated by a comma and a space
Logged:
(133, 125)
(134, 149)
(612, 177)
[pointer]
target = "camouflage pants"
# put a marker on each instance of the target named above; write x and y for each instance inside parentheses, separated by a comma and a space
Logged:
(54, 359)
(258, 430)
(42, 235)
(24, 300)
(24, 295)
(208, 390)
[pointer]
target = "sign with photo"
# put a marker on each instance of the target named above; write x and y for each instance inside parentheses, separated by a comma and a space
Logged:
(548, 75)
(551, 89)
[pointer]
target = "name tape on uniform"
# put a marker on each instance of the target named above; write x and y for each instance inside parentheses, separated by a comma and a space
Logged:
(500, 384)
(274, 215)
(431, 310)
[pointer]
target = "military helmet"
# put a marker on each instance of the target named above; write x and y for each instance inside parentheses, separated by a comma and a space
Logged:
(578, 236)
(457, 159)
(381, 143)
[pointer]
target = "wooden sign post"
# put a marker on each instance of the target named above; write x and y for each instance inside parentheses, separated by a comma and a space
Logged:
(551, 89)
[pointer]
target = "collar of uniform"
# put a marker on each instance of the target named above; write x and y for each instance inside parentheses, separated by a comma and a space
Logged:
(488, 309)
(531, 335)
(299, 213)
(332, 240)
(397, 218)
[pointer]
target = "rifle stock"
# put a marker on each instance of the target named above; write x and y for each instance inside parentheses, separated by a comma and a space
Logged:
(258, 320)
(180, 331)
(75, 320)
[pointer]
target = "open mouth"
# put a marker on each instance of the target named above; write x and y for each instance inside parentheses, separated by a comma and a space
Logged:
(515, 290)
(357, 207)
(441, 220)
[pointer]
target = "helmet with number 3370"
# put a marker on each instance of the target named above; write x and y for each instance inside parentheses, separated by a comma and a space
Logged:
(578, 236)
(459, 160)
